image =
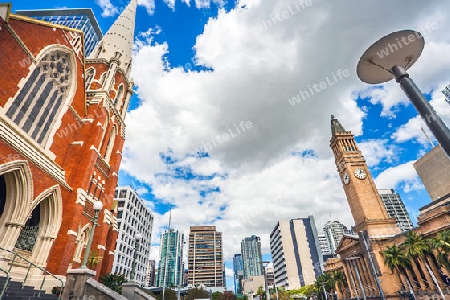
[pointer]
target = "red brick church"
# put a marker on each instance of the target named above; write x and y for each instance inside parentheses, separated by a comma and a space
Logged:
(62, 132)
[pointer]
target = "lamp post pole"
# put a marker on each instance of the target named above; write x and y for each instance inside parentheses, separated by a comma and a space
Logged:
(424, 108)
(97, 208)
(137, 238)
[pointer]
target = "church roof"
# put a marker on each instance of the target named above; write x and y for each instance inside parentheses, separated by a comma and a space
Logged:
(336, 127)
(119, 37)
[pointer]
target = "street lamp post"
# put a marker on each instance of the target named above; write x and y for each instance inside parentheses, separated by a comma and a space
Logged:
(97, 208)
(137, 238)
(389, 58)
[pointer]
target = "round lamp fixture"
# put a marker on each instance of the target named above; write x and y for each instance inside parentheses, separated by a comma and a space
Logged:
(401, 48)
(98, 206)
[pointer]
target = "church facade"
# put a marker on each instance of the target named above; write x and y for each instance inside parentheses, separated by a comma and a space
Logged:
(362, 256)
(62, 132)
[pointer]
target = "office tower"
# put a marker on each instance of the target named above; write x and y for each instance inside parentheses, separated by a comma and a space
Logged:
(133, 217)
(251, 256)
(446, 92)
(79, 18)
(270, 277)
(205, 258)
(323, 243)
(297, 259)
(170, 267)
(151, 272)
(434, 171)
(334, 231)
(238, 273)
(395, 208)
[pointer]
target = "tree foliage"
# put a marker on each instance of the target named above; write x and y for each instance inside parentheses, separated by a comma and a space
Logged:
(113, 281)
(196, 293)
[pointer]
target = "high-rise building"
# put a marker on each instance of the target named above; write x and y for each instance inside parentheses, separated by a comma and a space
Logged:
(133, 217)
(62, 130)
(395, 208)
(205, 258)
(434, 171)
(238, 270)
(251, 256)
(334, 231)
(151, 273)
(79, 18)
(446, 92)
(323, 243)
(297, 259)
(270, 276)
(170, 267)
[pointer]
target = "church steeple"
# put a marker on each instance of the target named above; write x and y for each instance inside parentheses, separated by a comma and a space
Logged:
(363, 198)
(118, 41)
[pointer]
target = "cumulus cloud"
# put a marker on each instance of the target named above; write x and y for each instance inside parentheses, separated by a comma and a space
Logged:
(108, 8)
(247, 183)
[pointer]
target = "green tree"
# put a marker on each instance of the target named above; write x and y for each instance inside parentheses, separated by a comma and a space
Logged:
(197, 293)
(396, 260)
(260, 292)
(340, 280)
(216, 295)
(441, 243)
(228, 295)
(113, 281)
(169, 294)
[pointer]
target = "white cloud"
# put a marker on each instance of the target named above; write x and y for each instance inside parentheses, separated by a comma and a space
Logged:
(108, 8)
(376, 151)
(149, 5)
(253, 77)
(403, 176)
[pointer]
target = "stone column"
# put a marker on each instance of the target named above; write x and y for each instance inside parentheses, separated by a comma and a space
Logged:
(418, 276)
(76, 282)
(364, 278)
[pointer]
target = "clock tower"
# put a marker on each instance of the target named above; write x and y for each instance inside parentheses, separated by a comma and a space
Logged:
(365, 202)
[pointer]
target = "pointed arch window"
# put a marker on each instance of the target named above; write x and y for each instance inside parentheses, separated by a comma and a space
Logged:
(110, 145)
(88, 77)
(119, 95)
(39, 102)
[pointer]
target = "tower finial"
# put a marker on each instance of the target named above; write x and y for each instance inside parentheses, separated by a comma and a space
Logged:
(336, 127)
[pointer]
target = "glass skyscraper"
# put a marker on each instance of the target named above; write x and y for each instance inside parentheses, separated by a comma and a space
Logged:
(171, 259)
(251, 256)
(238, 273)
(79, 18)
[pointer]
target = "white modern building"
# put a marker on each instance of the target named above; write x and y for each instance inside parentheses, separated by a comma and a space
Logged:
(133, 217)
(334, 231)
(297, 259)
(323, 243)
(396, 209)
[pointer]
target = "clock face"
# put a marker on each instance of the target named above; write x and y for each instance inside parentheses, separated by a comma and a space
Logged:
(346, 178)
(360, 173)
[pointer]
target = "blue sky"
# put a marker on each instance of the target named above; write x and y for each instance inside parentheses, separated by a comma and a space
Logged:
(206, 68)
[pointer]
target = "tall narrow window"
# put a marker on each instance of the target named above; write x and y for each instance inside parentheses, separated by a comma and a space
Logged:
(88, 77)
(110, 144)
(43, 96)
(119, 95)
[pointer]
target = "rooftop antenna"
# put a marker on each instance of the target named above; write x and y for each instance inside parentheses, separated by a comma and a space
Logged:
(428, 138)
(170, 216)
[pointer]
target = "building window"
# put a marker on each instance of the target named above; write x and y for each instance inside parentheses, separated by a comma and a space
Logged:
(119, 95)
(39, 102)
(88, 77)
(110, 144)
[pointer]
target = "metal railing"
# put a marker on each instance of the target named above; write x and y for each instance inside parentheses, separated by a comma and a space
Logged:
(15, 255)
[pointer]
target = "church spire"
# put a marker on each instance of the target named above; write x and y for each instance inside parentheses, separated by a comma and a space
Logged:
(118, 41)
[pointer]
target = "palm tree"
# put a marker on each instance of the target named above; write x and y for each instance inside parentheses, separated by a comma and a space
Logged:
(340, 280)
(442, 245)
(418, 248)
(396, 259)
(325, 284)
